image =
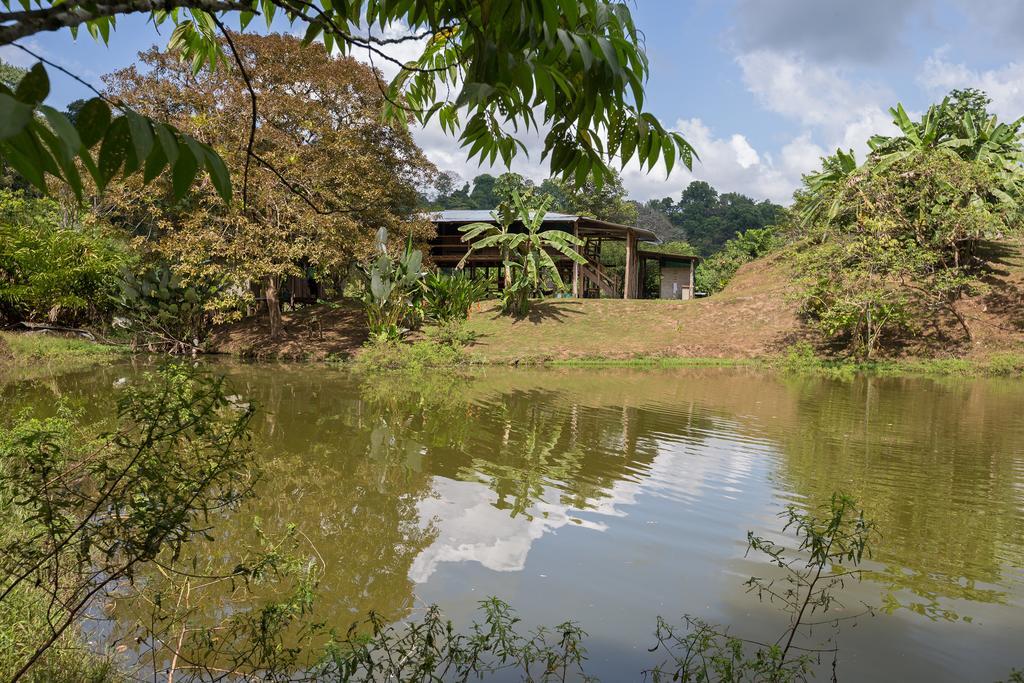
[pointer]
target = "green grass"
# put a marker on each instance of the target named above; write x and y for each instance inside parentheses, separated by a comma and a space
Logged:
(656, 362)
(34, 355)
(428, 354)
(803, 360)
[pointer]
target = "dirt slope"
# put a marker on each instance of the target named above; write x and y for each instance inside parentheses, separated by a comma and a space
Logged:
(311, 333)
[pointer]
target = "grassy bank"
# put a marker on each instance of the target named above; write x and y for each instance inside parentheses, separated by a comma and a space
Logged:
(429, 353)
(802, 359)
(32, 355)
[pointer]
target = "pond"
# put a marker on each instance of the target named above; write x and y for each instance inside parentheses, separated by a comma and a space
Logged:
(613, 496)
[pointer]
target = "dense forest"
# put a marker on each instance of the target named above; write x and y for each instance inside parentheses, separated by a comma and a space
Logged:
(701, 216)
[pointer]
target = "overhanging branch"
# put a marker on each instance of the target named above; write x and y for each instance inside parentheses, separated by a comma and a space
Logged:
(73, 14)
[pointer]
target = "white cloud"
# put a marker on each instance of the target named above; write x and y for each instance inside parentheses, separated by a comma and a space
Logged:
(842, 112)
(401, 52)
(1005, 84)
(16, 57)
(730, 163)
(746, 156)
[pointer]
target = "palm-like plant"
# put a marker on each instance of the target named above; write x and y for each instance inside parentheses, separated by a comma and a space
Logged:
(526, 255)
(995, 144)
(946, 128)
(823, 194)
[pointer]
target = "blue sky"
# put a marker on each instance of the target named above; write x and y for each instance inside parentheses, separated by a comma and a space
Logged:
(762, 88)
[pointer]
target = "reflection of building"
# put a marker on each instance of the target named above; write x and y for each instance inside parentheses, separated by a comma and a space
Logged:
(592, 279)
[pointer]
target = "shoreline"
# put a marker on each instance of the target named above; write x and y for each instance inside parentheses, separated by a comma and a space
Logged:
(34, 355)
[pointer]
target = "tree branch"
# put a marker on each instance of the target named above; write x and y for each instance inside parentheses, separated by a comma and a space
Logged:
(71, 15)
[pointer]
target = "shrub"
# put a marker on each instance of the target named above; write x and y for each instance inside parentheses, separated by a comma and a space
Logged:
(893, 244)
(451, 333)
(65, 275)
(1006, 365)
(391, 290)
(159, 311)
(388, 354)
(449, 297)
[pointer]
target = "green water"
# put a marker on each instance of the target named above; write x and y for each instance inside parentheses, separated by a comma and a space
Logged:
(612, 496)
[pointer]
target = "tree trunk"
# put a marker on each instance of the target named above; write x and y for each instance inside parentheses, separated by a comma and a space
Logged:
(271, 289)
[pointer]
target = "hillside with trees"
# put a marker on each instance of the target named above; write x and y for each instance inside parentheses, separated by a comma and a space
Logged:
(706, 218)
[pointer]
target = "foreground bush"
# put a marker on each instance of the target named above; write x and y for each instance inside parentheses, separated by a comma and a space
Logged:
(85, 512)
(52, 267)
(449, 297)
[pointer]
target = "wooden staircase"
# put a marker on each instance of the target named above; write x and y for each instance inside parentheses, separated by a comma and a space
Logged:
(595, 279)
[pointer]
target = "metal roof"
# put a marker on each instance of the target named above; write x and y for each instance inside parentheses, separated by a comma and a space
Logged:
(667, 256)
(585, 222)
(484, 216)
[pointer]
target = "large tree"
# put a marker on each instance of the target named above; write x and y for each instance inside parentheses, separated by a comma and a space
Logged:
(575, 69)
(319, 120)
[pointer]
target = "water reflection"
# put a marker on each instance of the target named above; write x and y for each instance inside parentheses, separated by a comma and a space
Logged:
(615, 495)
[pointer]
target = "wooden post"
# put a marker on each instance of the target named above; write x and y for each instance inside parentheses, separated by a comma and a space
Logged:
(575, 266)
(629, 286)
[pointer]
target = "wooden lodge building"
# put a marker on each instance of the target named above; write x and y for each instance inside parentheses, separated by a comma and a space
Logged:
(588, 280)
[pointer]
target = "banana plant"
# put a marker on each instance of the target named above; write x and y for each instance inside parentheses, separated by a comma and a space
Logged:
(392, 284)
(975, 137)
(823, 187)
(525, 254)
(995, 144)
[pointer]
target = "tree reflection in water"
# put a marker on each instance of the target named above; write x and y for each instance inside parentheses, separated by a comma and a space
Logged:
(391, 477)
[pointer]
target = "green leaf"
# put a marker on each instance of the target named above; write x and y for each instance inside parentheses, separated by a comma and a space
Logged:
(155, 164)
(93, 120)
(475, 93)
(184, 172)
(34, 86)
(113, 150)
(14, 116)
(27, 159)
(585, 53)
(63, 128)
(142, 134)
(219, 174)
(168, 142)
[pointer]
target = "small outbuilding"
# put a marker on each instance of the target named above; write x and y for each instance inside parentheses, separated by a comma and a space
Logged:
(676, 274)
